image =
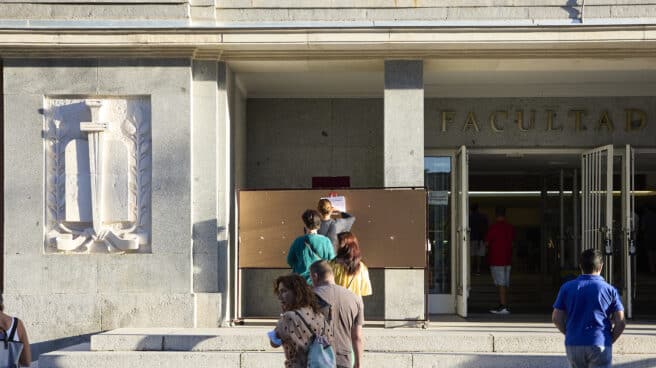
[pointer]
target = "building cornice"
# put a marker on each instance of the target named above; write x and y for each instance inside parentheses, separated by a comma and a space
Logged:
(325, 43)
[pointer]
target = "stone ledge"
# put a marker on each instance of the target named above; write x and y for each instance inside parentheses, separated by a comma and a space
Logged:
(454, 339)
(397, 4)
(515, 343)
(74, 359)
(254, 339)
(66, 359)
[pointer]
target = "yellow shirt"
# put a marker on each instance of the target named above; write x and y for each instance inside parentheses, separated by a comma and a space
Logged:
(359, 283)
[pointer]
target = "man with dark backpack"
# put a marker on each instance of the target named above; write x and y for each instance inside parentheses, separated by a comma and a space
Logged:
(344, 312)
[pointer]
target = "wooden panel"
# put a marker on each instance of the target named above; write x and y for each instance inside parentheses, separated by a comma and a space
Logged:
(390, 225)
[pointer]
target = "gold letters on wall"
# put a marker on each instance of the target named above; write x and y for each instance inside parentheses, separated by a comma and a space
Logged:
(547, 120)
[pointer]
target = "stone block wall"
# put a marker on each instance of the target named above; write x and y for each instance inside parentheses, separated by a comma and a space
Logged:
(314, 137)
(361, 12)
(33, 12)
(61, 295)
(335, 137)
(258, 300)
(453, 11)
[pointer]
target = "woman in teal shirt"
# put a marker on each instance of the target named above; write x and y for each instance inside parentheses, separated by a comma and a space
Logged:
(309, 248)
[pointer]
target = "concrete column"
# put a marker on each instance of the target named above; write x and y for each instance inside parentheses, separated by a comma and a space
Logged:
(213, 99)
(205, 252)
(225, 188)
(403, 167)
(404, 123)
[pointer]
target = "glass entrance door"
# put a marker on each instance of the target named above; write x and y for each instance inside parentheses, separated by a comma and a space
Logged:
(437, 179)
(602, 228)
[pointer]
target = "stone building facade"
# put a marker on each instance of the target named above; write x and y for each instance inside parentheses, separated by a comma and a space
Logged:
(129, 126)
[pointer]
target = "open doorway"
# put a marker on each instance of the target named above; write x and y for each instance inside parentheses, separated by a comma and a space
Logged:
(556, 213)
(538, 192)
(644, 291)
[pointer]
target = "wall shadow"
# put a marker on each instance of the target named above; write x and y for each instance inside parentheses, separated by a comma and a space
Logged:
(43, 347)
(643, 363)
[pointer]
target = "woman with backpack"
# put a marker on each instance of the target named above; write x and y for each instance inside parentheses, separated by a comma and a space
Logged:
(299, 319)
(17, 348)
(350, 272)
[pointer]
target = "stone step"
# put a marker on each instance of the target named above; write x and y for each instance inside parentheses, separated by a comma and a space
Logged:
(172, 359)
(449, 338)
(451, 342)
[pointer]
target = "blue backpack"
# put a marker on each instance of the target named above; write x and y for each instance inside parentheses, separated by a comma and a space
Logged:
(320, 353)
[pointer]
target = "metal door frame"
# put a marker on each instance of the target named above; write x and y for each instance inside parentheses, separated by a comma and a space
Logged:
(628, 178)
(597, 230)
(445, 303)
(457, 268)
(628, 228)
(461, 190)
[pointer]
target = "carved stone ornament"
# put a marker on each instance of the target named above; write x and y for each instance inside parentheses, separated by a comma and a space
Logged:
(98, 175)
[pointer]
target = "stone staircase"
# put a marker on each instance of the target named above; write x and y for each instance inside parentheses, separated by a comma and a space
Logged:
(498, 342)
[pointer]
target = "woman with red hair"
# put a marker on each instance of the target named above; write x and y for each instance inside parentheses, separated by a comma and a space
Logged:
(350, 272)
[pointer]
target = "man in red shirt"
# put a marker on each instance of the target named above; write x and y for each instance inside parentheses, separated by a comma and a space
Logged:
(499, 240)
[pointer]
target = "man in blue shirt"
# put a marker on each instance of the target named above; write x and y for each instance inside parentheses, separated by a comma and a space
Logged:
(590, 314)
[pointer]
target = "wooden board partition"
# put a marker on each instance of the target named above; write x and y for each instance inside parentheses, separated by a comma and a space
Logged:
(390, 225)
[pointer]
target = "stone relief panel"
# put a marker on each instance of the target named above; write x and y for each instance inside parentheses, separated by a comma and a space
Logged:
(98, 174)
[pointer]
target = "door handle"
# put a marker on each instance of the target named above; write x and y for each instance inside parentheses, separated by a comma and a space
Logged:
(632, 246)
(608, 247)
(607, 239)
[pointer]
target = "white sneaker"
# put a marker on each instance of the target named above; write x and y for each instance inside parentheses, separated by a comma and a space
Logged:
(501, 310)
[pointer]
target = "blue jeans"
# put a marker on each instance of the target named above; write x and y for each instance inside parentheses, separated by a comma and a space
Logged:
(589, 356)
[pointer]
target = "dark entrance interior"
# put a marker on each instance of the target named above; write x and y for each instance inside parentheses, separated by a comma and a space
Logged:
(644, 306)
(540, 193)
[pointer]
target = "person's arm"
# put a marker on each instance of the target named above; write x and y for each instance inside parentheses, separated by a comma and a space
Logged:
(365, 286)
(329, 251)
(284, 321)
(619, 323)
(26, 355)
(559, 318)
(332, 235)
(345, 223)
(346, 215)
(357, 343)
